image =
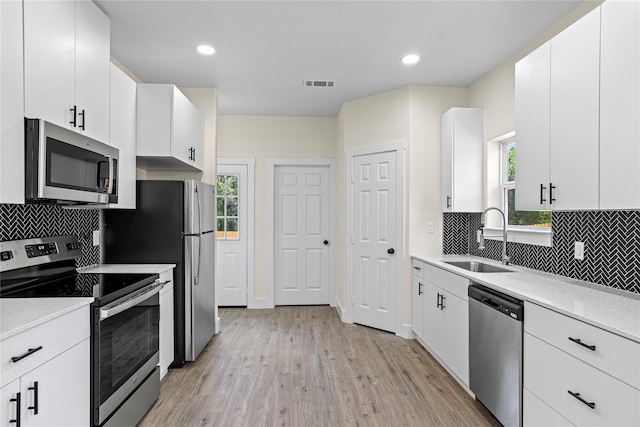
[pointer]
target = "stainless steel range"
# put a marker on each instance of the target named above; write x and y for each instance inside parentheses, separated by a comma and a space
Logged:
(125, 378)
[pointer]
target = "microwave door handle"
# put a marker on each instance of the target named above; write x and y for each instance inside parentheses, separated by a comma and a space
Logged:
(110, 186)
(128, 302)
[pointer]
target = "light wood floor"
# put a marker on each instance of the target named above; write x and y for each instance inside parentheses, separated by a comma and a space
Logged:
(301, 366)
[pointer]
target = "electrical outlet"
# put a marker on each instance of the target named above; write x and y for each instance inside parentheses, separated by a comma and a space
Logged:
(430, 227)
(578, 251)
(478, 233)
(96, 237)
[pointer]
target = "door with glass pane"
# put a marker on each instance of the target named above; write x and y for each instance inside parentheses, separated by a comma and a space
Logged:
(231, 193)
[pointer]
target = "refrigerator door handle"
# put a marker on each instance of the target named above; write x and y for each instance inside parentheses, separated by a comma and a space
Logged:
(197, 279)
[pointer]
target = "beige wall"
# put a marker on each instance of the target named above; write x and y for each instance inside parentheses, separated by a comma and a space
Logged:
(262, 137)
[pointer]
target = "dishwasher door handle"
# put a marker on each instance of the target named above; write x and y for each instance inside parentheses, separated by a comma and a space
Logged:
(491, 303)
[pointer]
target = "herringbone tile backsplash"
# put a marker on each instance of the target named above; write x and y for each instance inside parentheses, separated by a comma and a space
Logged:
(29, 221)
(611, 246)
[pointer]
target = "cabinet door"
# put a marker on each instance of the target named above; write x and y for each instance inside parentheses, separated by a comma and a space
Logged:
(432, 331)
(123, 135)
(63, 390)
(620, 105)
(93, 59)
(446, 152)
(187, 130)
(8, 409)
(166, 330)
(533, 74)
(417, 305)
(575, 105)
(11, 104)
(455, 336)
(49, 60)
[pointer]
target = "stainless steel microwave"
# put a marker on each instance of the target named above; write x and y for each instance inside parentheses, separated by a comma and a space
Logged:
(66, 167)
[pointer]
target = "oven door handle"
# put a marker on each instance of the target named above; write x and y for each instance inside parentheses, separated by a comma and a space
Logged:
(126, 303)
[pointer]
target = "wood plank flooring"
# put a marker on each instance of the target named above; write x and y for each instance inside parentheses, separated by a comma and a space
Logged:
(301, 366)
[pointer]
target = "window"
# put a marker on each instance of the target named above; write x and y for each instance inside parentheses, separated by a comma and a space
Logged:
(508, 180)
(227, 202)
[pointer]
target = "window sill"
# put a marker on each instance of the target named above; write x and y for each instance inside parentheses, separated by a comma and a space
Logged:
(540, 237)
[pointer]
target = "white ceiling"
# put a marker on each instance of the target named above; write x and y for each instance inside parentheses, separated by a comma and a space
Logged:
(265, 49)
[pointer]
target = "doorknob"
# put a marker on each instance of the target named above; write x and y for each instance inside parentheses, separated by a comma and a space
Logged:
(326, 242)
(390, 251)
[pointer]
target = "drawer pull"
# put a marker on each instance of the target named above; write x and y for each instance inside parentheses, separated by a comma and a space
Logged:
(28, 353)
(591, 405)
(577, 341)
(34, 408)
(417, 268)
(16, 420)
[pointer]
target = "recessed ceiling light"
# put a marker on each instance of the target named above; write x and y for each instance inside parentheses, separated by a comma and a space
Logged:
(206, 50)
(410, 59)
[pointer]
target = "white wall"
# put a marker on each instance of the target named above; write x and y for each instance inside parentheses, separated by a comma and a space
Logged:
(262, 137)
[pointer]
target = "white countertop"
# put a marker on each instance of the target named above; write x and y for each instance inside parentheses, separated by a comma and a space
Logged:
(127, 268)
(19, 314)
(610, 309)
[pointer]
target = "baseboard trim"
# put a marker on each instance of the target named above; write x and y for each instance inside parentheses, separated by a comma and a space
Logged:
(406, 332)
(216, 329)
(345, 316)
(260, 303)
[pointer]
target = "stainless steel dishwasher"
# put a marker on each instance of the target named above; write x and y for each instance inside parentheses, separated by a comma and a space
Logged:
(495, 352)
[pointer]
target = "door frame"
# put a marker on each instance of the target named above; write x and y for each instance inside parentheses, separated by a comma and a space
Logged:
(272, 163)
(250, 163)
(399, 147)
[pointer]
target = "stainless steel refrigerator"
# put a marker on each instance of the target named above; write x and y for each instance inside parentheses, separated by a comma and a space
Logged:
(173, 223)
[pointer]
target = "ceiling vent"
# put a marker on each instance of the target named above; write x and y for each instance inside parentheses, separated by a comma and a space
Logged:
(319, 83)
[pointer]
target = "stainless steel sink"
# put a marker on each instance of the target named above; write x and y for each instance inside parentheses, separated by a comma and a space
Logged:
(478, 267)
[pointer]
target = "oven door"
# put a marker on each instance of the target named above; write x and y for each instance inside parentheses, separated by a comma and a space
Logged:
(66, 166)
(125, 348)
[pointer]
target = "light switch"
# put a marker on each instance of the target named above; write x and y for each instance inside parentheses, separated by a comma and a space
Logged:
(578, 252)
(430, 227)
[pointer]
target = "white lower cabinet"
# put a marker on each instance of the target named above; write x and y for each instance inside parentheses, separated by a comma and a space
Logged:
(581, 372)
(536, 413)
(446, 320)
(417, 299)
(45, 375)
(166, 322)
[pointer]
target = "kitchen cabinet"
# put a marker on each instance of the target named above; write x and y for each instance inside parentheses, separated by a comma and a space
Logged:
(417, 298)
(66, 65)
(620, 105)
(577, 104)
(170, 129)
(166, 322)
(54, 378)
(123, 135)
(585, 374)
(11, 103)
(574, 103)
(446, 320)
(462, 159)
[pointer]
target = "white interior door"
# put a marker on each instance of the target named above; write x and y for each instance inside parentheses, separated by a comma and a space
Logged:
(232, 233)
(374, 240)
(302, 230)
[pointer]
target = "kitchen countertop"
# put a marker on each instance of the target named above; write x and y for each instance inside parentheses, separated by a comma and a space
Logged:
(610, 309)
(19, 314)
(127, 268)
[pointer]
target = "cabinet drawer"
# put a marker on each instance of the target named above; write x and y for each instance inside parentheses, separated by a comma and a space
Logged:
(551, 374)
(536, 413)
(450, 282)
(613, 354)
(55, 336)
(417, 268)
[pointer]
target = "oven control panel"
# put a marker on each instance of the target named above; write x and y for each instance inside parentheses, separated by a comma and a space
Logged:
(31, 252)
(41, 249)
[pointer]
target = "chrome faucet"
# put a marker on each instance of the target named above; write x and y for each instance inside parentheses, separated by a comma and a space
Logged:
(505, 257)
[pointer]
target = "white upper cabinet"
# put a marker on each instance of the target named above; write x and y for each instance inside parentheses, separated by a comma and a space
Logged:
(577, 109)
(123, 135)
(170, 129)
(533, 75)
(11, 104)
(620, 105)
(462, 140)
(575, 104)
(66, 65)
